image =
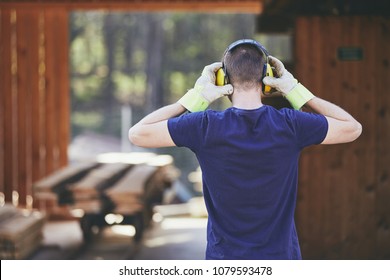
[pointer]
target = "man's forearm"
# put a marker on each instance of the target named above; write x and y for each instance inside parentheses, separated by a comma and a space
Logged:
(328, 109)
(164, 113)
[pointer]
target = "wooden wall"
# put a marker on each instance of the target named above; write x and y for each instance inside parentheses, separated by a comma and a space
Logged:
(343, 209)
(34, 98)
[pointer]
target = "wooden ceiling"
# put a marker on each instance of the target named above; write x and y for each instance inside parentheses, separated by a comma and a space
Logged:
(234, 6)
(280, 15)
(284, 8)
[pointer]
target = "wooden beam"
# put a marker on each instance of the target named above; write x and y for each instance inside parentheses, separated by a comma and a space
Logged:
(23, 90)
(51, 111)
(56, 88)
(233, 6)
(62, 86)
(383, 138)
(7, 68)
(4, 66)
(38, 106)
(27, 88)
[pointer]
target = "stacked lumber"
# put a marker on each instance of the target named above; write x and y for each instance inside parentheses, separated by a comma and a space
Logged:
(142, 188)
(20, 232)
(125, 183)
(88, 193)
(52, 193)
(128, 193)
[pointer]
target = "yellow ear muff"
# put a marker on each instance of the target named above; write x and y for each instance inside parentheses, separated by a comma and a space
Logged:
(220, 79)
(269, 72)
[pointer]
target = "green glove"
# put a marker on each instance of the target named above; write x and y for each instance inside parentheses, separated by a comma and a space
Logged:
(285, 82)
(205, 91)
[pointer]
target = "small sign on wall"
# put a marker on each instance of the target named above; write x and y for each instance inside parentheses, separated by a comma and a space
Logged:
(350, 53)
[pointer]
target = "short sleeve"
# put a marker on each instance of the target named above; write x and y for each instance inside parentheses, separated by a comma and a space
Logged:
(186, 130)
(310, 128)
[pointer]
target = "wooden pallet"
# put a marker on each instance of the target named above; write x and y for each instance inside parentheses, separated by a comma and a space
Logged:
(97, 180)
(88, 193)
(52, 193)
(126, 184)
(128, 193)
(20, 232)
(57, 182)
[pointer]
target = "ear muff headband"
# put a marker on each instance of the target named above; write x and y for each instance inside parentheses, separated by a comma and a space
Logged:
(222, 76)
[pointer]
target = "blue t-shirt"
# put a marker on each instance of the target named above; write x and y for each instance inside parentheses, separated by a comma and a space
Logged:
(249, 163)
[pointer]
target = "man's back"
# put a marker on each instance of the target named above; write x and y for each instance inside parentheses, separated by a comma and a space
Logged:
(249, 160)
(248, 153)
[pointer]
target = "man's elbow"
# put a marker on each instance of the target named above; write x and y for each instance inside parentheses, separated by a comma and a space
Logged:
(357, 131)
(342, 131)
(135, 136)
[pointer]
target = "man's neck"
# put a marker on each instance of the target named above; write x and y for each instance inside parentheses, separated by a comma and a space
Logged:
(247, 99)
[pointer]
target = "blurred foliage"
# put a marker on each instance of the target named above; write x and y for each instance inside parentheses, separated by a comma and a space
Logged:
(145, 60)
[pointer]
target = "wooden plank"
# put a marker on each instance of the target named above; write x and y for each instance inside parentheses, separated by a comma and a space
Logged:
(32, 68)
(63, 176)
(302, 208)
(23, 248)
(20, 223)
(333, 186)
(27, 85)
(128, 193)
(62, 85)
(89, 206)
(366, 113)
(7, 211)
(235, 6)
(21, 88)
(307, 71)
(318, 196)
(7, 27)
(38, 106)
(20, 226)
(382, 212)
(51, 149)
(348, 86)
(52, 192)
(21, 233)
(57, 87)
(133, 182)
(3, 68)
(97, 180)
(334, 157)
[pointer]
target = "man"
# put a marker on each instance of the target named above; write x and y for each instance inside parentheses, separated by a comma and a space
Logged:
(249, 152)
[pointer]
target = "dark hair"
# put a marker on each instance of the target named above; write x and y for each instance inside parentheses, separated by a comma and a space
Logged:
(244, 66)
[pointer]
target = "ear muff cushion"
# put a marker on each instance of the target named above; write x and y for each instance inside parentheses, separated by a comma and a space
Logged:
(270, 73)
(220, 79)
